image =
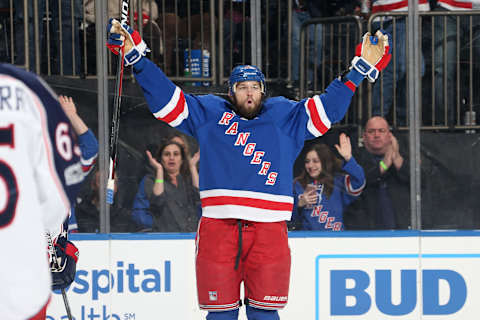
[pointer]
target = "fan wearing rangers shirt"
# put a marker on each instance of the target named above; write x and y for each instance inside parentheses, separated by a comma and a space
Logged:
(248, 147)
(40, 173)
(326, 186)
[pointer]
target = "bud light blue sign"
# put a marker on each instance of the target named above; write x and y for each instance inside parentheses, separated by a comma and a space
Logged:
(368, 287)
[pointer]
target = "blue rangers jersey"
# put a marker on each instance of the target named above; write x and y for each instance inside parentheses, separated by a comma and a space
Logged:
(327, 214)
(89, 148)
(246, 166)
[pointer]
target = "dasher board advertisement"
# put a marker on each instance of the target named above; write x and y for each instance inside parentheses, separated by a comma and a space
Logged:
(401, 275)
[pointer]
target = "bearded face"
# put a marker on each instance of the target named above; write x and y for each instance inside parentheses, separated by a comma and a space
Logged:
(247, 98)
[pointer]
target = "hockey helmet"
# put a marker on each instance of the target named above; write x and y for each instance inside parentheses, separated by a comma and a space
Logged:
(245, 73)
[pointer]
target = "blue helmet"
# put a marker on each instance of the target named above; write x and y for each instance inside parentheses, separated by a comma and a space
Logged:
(245, 73)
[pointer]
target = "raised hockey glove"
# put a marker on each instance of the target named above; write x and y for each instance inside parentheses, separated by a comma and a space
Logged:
(121, 35)
(63, 265)
(372, 55)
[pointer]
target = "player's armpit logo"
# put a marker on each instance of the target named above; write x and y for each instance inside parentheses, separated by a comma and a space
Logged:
(74, 174)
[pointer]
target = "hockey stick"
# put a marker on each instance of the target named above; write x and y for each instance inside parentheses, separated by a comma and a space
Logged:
(114, 129)
(51, 250)
(67, 306)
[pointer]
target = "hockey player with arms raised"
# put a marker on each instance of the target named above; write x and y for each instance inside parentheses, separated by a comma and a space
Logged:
(248, 147)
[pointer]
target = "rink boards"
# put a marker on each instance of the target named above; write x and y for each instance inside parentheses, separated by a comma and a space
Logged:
(348, 275)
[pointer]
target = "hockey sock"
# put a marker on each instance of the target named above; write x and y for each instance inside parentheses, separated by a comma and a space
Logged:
(260, 314)
(223, 315)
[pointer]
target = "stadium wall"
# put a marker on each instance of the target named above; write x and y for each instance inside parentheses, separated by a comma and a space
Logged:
(349, 275)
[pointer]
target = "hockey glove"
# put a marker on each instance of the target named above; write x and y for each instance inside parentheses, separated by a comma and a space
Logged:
(64, 264)
(372, 55)
(121, 35)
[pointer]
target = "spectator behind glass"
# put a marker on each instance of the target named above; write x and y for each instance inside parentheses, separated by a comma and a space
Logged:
(141, 205)
(87, 210)
(236, 29)
(151, 31)
(304, 10)
(398, 32)
(172, 190)
(177, 26)
(446, 30)
(385, 201)
(149, 10)
(323, 190)
(67, 29)
(88, 147)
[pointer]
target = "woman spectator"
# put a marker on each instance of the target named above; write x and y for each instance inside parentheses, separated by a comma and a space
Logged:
(326, 186)
(172, 190)
(141, 205)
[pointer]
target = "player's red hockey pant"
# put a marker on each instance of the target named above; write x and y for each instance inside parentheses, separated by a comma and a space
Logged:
(42, 314)
(264, 264)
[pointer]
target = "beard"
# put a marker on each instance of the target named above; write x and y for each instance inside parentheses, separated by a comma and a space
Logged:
(247, 113)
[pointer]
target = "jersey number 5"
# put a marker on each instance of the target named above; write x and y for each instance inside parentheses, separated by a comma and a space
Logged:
(7, 180)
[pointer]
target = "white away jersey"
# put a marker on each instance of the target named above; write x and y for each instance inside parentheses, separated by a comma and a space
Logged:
(40, 171)
(246, 166)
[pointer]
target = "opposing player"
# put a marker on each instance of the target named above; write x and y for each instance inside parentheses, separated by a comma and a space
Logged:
(40, 172)
(248, 147)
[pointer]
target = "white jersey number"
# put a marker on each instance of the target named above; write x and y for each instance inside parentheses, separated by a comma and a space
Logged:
(63, 141)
